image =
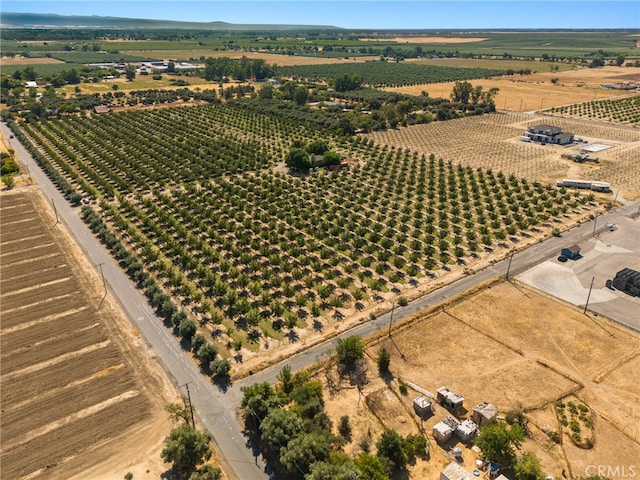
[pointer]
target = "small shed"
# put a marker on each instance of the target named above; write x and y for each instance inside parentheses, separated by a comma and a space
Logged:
(447, 398)
(31, 84)
(466, 430)
(572, 252)
(454, 471)
(443, 430)
(484, 414)
(422, 406)
(101, 109)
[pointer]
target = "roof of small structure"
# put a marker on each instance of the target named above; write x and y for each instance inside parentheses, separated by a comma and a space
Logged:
(101, 109)
(486, 409)
(546, 128)
(573, 248)
(422, 401)
(467, 427)
(454, 471)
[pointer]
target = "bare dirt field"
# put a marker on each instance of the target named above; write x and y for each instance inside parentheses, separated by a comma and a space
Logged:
(495, 346)
(81, 397)
(270, 58)
(29, 61)
(522, 93)
(492, 141)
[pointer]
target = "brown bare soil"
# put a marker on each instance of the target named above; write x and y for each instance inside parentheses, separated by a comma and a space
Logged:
(536, 91)
(29, 61)
(516, 348)
(492, 141)
(270, 58)
(80, 393)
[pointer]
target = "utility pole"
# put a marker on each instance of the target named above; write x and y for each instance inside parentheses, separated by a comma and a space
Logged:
(589, 295)
(509, 267)
(595, 222)
(29, 174)
(393, 305)
(193, 422)
(104, 283)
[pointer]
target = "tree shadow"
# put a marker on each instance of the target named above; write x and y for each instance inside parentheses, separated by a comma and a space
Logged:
(292, 336)
(172, 474)
(222, 382)
(359, 306)
(337, 315)
(317, 325)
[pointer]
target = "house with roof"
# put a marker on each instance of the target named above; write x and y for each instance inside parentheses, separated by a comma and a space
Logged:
(544, 133)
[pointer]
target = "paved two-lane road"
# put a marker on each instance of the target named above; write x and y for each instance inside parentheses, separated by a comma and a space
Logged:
(216, 409)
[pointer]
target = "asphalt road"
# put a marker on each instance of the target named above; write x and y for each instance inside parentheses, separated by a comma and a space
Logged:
(215, 408)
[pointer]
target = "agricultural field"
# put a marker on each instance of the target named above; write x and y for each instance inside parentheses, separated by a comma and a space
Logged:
(623, 111)
(541, 90)
(491, 141)
(195, 205)
(79, 388)
(387, 74)
(475, 347)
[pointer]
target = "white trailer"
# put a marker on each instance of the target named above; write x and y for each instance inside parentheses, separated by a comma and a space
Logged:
(586, 184)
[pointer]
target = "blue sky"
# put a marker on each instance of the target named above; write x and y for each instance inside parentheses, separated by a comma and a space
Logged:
(411, 14)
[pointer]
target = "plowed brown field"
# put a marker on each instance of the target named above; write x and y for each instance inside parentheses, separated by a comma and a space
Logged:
(76, 392)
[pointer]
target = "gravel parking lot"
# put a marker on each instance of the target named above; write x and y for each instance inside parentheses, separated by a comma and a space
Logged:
(602, 257)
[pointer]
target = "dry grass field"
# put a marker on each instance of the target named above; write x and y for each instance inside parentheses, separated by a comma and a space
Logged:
(536, 91)
(29, 61)
(491, 141)
(270, 58)
(79, 390)
(495, 346)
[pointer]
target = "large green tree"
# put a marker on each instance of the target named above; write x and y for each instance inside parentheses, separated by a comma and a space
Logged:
(498, 443)
(349, 350)
(186, 448)
(130, 72)
(304, 450)
(391, 447)
(279, 427)
(371, 467)
(298, 158)
(528, 467)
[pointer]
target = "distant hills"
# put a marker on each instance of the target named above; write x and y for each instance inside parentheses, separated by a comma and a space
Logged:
(46, 20)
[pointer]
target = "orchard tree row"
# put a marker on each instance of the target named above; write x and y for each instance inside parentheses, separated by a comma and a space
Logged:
(620, 110)
(350, 76)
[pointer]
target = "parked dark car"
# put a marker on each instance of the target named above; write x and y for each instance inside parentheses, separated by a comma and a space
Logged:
(562, 258)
